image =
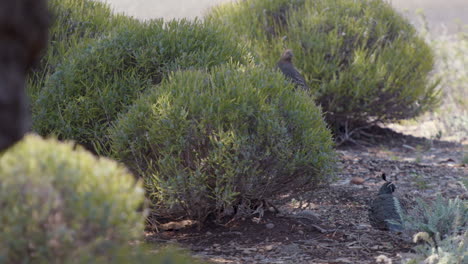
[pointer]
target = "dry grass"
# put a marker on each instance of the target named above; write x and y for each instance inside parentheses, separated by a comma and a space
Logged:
(450, 120)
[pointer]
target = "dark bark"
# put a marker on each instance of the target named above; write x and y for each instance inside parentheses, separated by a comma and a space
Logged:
(23, 36)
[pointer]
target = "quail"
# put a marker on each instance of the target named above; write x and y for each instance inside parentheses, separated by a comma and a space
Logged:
(384, 211)
(288, 69)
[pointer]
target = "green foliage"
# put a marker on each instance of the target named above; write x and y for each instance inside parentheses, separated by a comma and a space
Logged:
(364, 62)
(74, 22)
(441, 228)
(101, 79)
(442, 217)
(57, 198)
(208, 143)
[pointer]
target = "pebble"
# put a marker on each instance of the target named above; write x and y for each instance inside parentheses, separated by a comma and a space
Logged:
(309, 214)
(362, 227)
(270, 225)
(357, 180)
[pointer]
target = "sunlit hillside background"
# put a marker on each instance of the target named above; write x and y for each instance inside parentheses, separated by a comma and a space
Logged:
(441, 14)
(444, 24)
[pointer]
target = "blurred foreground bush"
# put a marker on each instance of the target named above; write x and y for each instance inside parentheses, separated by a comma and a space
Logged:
(364, 62)
(214, 144)
(99, 80)
(56, 199)
(114, 254)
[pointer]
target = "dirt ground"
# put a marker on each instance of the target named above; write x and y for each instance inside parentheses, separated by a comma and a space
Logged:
(330, 224)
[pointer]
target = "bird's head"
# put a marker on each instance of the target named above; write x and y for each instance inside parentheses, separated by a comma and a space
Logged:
(388, 187)
(287, 55)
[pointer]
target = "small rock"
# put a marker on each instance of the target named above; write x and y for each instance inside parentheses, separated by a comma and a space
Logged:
(343, 260)
(309, 214)
(209, 233)
(270, 225)
(291, 249)
(383, 259)
(388, 246)
(269, 248)
(177, 225)
(357, 180)
(300, 232)
(464, 196)
(408, 147)
(256, 220)
(248, 250)
(449, 160)
(363, 227)
(313, 206)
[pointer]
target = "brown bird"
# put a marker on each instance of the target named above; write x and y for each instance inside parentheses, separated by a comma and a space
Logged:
(288, 69)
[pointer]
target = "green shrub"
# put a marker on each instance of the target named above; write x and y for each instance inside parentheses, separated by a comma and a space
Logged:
(441, 228)
(74, 22)
(207, 144)
(364, 62)
(57, 198)
(95, 83)
(442, 217)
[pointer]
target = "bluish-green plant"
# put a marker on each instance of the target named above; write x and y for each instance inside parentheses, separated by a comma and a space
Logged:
(441, 230)
(442, 217)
